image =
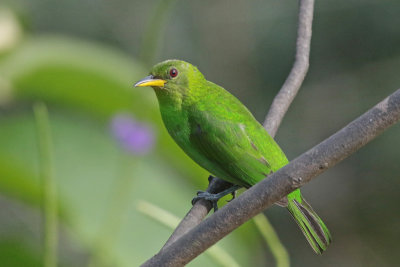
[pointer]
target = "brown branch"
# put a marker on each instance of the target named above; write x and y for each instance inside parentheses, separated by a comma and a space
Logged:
(198, 212)
(294, 175)
(285, 97)
(299, 70)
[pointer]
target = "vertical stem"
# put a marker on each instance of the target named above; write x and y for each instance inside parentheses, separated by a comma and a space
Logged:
(271, 238)
(121, 194)
(293, 82)
(152, 36)
(49, 185)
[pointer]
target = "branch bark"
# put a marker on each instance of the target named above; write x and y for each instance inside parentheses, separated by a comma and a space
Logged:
(272, 121)
(198, 212)
(299, 70)
(294, 175)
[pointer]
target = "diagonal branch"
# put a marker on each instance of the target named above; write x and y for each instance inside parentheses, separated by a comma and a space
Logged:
(292, 176)
(278, 109)
(198, 212)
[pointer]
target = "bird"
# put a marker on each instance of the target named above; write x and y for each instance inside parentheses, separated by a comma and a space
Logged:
(221, 135)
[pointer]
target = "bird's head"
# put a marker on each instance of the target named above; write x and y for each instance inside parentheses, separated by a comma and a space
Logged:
(172, 76)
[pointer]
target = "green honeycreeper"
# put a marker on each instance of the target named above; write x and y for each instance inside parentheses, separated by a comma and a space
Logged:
(219, 133)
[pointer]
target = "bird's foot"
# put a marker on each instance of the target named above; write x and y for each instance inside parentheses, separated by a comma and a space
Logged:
(213, 198)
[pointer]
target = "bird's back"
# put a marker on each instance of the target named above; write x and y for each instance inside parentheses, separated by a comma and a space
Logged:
(222, 136)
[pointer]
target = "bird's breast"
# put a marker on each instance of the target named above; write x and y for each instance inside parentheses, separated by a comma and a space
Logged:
(176, 123)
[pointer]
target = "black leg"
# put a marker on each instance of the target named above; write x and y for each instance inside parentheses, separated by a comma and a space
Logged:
(215, 197)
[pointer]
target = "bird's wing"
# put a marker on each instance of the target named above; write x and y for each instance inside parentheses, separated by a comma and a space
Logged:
(228, 148)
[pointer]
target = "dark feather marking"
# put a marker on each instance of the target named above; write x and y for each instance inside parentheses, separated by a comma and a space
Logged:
(198, 129)
(267, 174)
(313, 222)
(253, 146)
(315, 241)
(304, 229)
(264, 161)
(312, 212)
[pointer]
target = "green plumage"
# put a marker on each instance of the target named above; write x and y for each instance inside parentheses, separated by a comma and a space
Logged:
(218, 132)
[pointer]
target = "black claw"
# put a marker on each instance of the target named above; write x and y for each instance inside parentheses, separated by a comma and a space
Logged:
(213, 198)
(215, 206)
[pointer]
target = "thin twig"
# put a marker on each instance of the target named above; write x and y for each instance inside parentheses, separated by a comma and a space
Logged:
(299, 70)
(271, 237)
(49, 185)
(289, 90)
(154, 32)
(119, 203)
(292, 176)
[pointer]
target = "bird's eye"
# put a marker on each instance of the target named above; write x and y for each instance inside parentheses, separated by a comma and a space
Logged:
(173, 73)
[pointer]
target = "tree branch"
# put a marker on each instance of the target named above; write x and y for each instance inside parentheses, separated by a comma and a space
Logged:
(299, 70)
(275, 115)
(199, 210)
(292, 176)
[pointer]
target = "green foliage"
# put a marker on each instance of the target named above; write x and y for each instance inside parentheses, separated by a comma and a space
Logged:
(86, 78)
(85, 85)
(16, 254)
(50, 199)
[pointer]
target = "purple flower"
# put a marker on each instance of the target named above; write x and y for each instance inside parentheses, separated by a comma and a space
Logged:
(136, 137)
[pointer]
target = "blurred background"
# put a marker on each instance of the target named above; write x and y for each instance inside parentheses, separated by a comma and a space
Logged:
(116, 167)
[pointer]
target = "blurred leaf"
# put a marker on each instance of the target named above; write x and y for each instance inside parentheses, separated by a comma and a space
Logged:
(85, 77)
(85, 85)
(87, 162)
(15, 254)
(77, 74)
(17, 182)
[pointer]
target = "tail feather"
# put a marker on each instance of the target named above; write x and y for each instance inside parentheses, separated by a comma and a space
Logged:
(310, 223)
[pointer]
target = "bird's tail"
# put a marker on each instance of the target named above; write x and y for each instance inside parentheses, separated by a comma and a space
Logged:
(310, 223)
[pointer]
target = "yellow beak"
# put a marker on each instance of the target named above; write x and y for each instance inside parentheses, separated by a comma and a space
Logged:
(150, 81)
